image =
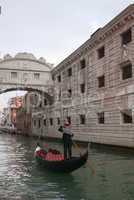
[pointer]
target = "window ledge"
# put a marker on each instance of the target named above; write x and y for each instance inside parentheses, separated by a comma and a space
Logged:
(127, 124)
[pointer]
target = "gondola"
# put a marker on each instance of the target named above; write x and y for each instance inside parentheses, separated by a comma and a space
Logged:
(60, 165)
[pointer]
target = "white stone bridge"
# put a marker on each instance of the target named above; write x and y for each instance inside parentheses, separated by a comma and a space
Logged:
(25, 72)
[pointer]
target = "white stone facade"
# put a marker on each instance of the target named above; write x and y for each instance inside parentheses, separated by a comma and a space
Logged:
(98, 93)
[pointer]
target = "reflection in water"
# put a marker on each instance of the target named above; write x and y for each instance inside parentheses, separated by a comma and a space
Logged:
(22, 179)
(57, 186)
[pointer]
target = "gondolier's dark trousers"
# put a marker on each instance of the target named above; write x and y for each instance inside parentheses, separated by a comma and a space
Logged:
(67, 139)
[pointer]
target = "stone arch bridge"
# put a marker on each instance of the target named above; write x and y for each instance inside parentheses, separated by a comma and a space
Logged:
(25, 72)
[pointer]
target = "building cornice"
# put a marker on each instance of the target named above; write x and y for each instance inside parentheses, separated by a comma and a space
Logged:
(23, 70)
(26, 59)
(99, 36)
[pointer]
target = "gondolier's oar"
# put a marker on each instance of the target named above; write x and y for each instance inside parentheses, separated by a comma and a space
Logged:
(89, 164)
(39, 138)
(76, 145)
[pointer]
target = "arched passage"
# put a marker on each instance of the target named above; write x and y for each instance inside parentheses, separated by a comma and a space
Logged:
(43, 93)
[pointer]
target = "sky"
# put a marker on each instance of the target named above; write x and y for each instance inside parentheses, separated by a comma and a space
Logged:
(52, 28)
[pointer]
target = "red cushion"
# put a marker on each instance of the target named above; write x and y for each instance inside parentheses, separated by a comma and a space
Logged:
(51, 156)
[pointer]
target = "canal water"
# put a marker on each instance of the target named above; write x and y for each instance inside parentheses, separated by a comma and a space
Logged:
(22, 179)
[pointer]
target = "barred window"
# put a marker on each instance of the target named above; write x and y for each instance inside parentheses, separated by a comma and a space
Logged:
(53, 77)
(82, 88)
(70, 72)
(127, 116)
(126, 37)
(69, 93)
(101, 81)
(83, 63)
(59, 95)
(101, 119)
(13, 75)
(82, 119)
(45, 122)
(45, 102)
(36, 76)
(51, 121)
(101, 52)
(127, 71)
(59, 78)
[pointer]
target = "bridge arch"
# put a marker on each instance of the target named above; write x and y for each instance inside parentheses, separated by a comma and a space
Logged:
(43, 93)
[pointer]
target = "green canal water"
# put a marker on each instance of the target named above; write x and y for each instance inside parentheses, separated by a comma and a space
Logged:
(22, 179)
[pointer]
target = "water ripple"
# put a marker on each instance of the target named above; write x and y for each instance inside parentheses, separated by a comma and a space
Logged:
(22, 179)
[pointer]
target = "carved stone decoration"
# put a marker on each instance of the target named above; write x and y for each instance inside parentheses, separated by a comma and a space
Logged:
(25, 55)
(125, 51)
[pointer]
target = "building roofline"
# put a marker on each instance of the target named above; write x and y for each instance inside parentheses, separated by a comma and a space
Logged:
(26, 59)
(79, 51)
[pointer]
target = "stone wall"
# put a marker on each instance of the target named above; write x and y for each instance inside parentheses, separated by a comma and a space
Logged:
(117, 94)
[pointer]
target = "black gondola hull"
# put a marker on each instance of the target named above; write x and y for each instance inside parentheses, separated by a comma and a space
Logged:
(63, 166)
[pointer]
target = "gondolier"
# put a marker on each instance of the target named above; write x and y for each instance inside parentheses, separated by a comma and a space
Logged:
(54, 160)
(67, 140)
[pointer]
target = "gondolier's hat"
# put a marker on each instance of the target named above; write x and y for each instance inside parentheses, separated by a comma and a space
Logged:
(66, 124)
